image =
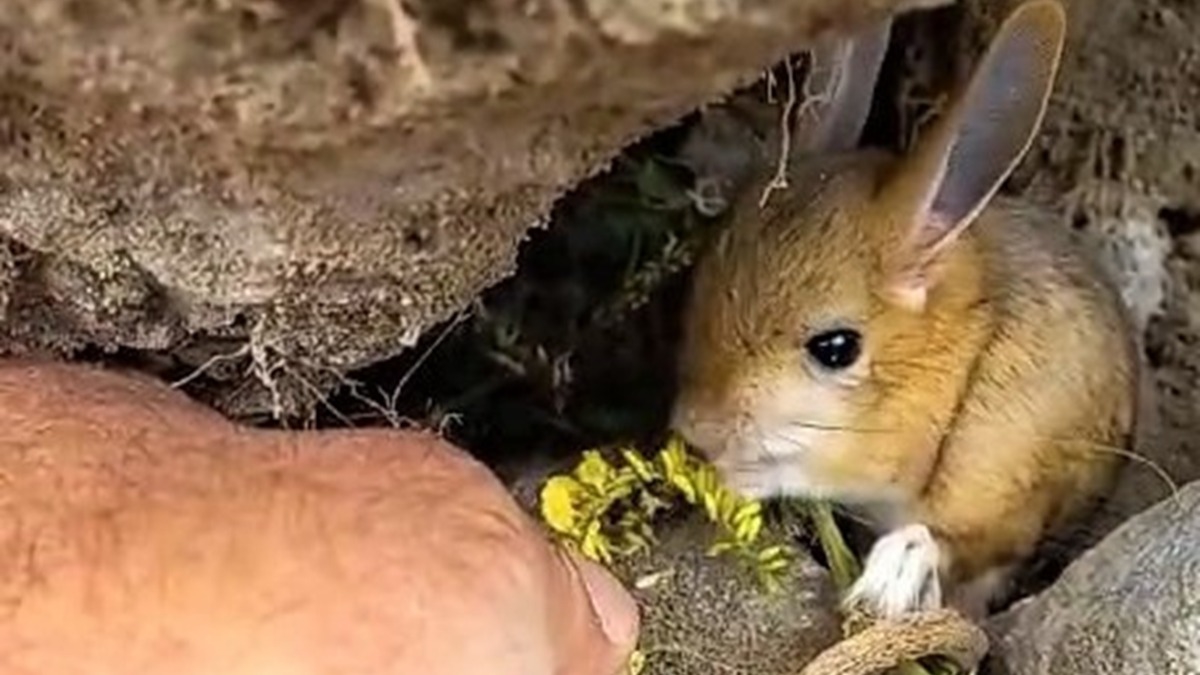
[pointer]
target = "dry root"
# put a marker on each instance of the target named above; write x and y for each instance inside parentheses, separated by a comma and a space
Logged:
(887, 644)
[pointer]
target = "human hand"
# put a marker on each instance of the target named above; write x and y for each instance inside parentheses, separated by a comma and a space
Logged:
(146, 534)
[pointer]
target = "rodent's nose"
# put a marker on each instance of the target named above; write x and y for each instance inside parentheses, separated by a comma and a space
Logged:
(683, 422)
(682, 416)
(699, 428)
(688, 415)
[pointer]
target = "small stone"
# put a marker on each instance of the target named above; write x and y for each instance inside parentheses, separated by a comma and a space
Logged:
(1127, 607)
(709, 615)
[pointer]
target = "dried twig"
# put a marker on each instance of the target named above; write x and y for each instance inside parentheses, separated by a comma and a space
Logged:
(779, 180)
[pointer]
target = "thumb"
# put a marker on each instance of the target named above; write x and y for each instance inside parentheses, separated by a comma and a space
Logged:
(612, 604)
(611, 610)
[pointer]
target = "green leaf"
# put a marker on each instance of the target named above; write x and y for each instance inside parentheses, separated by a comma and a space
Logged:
(842, 564)
(637, 662)
(595, 471)
(774, 564)
(747, 510)
(720, 547)
(684, 485)
(656, 184)
(640, 466)
(748, 529)
(913, 668)
(595, 545)
(772, 552)
(710, 506)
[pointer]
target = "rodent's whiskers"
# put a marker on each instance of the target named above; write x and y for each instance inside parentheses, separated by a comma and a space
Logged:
(1106, 448)
(819, 426)
(1139, 458)
(791, 436)
(766, 440)
(1145, 461)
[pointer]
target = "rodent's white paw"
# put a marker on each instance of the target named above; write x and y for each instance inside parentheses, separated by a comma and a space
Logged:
(900, 575)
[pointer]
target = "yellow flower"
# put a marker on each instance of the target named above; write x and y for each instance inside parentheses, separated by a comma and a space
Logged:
(558, 504)
(576, 506)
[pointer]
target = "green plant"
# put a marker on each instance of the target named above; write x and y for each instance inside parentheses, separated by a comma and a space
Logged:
(604, 509)
(581, 506)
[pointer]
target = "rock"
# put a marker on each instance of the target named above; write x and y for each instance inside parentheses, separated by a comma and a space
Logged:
(704, 615)
(324, 180)
(1129, 606)
(1134, 247)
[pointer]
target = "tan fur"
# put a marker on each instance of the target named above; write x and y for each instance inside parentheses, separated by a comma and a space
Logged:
(992, 411)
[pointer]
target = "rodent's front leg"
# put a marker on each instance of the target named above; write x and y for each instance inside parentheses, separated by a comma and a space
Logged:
(955, 557)
(902, 574)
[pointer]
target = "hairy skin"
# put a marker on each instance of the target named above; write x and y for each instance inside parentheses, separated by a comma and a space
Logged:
(143, 533)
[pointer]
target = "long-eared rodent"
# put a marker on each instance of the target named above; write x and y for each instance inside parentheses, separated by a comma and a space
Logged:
(889, 333)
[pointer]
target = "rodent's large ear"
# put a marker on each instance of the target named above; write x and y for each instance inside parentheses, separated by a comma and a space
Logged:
(957, 169)
(842, 82)
(723, 152)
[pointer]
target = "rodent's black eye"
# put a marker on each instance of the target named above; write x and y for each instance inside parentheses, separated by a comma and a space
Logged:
(835, 349)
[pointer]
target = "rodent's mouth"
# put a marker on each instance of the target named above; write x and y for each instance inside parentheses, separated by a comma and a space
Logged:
(754, 478)
(765, 477)
(706, 438)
